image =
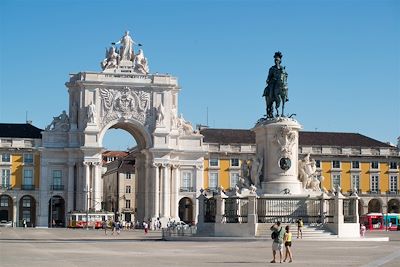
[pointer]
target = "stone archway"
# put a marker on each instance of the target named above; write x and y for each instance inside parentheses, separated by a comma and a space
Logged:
(393, 205)
(374, 205)
(27, 211)
(142, 157)
(186, 210)
(143, 104)
(6, 208)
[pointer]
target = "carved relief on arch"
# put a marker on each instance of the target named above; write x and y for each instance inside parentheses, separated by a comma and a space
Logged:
(125, 103)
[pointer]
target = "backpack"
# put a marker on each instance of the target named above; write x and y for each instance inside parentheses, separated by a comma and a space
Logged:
(274, 235)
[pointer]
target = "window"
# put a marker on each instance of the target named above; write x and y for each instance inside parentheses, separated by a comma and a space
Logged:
(393, 165)
(374, 165)
(5, 157)
(128, 176)
(335, 180)
(374, 183)
(234, 162)
(128, 189)
(393, 183)
(26, 202)
(57, 177)
(28, 177)
(355, 181)
(128, 203)
(213, 180)
(28, 158)
(3, 201)
(318, 163)
(214, 162)
(187, 181)
(336, 164)
(355, 164)
(5, 177)
(234, 179)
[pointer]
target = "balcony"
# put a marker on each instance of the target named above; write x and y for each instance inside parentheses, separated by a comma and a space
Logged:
(28, 187)
(5, 187)
(393, 192)
(57, 187)
(374, 192)
(186, 189)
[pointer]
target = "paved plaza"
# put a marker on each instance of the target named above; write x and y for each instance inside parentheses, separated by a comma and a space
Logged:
(66, 247)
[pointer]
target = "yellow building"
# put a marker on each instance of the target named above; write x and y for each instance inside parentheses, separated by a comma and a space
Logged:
(20, 172)
(352, 161)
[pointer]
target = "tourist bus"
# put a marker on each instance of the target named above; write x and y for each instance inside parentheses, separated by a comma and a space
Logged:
(394, 219)
(95, 219)
(372, 221)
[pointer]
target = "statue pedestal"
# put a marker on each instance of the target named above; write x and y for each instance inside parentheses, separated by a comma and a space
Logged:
(277, 142)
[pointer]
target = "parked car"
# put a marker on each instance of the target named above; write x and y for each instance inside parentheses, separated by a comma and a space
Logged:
(181, 225)
(5, 223)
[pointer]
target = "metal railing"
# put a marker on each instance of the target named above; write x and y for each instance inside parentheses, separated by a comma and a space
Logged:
(210, 207)
(27, 187)
(236, 210)
(57, 187)
(349, 210)
(393, 192)
(289, 210)
(186, 189)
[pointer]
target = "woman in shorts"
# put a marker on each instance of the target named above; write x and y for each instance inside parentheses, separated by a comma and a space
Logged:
(287, 239)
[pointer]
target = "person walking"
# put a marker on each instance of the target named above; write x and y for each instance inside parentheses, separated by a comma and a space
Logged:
(300, 228)
(104, 225)
(277, 244)
(287, 239)
(145, 226)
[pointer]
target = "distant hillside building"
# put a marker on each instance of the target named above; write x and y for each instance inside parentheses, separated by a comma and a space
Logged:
(119, 187)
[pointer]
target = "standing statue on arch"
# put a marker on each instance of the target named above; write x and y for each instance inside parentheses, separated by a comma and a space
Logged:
(277, 88)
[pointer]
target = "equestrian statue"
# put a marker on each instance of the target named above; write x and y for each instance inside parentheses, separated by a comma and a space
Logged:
(276, 90)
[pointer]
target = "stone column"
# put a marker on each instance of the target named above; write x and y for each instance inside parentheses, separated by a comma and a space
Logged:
(322, 208)
(70, 194)
(219, 216)
(15, 211)
(199, 182)
(174, 191)
(43, 213)
(201, 200)
(156, 189)
(252, 214)
(97, 186)
(165, 191)
(86, 189)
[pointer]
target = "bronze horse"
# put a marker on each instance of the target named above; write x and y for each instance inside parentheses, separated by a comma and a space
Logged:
(276, 91)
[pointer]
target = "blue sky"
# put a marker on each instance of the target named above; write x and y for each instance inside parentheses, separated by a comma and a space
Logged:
(343, 58)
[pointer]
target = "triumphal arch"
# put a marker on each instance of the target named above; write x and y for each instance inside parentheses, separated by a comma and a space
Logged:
(124, 95)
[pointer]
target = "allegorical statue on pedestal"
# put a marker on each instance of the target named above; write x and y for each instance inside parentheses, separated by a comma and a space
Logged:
(276, 89)
(124, 55)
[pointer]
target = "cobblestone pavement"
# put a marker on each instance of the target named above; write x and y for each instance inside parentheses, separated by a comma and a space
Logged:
(66, 247)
